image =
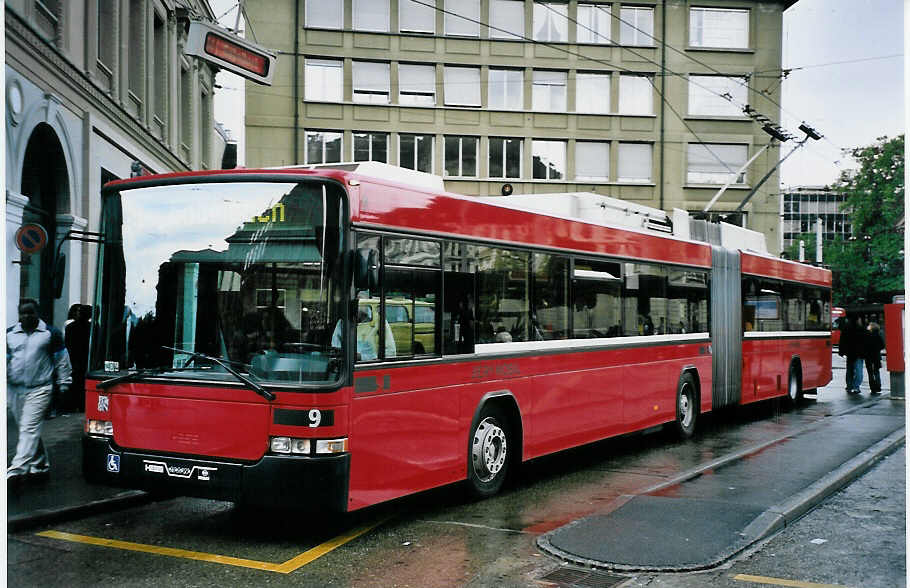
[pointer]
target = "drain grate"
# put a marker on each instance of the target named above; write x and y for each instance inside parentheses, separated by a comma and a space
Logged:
(581, 578)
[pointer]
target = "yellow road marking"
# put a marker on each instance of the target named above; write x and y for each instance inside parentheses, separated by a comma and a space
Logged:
(283, 568)
(782, 582)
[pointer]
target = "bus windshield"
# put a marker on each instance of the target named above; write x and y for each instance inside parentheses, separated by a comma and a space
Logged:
(249, 273)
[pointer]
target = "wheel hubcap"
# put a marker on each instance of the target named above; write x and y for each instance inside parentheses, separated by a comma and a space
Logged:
(685, 407)
(488, 450)
(793, 386)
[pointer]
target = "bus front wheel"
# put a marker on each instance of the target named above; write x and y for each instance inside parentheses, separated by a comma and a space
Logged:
(686, 407)
(488, 460)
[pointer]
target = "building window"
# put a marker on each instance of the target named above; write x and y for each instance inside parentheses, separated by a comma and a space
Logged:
(551, 22)
(107, 40)
(508, 19)
(46, 18)
(715, 163)
(206, 114)
(462, 86)
(505, 157)
(636, 26)
(371, 147)
(717, 95)
(325, 14)
(416, 18)
(461, 156)
(462, 18)
(371, 15)
(506, 89)
(416, 152)
(592, 93)
(186, 112)
(136, 46)
(724, 28)
(634, 163)
(593, 23)
(548, 158)
(323, 147)
(371, 82)
(322, 80)
(416, 84)
(549, 91)
(592, 160)
(636, 95)
(159, 33)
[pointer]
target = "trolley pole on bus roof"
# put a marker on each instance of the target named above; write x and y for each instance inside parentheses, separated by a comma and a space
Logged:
(810, 134)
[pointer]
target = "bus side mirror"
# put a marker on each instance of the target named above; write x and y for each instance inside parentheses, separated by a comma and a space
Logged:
(366, 269)
(59, 275)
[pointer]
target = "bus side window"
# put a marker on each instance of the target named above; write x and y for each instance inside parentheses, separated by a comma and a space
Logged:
(644, 299)
(411, 292)
(459, 316)
(550, 316)
(597, 304)
(503, 295)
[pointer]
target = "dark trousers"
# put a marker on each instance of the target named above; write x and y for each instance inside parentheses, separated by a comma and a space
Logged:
(873, 368)
(854, 372)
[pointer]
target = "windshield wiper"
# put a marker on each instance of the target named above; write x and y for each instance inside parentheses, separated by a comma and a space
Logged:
(137, 375)
(248, 382)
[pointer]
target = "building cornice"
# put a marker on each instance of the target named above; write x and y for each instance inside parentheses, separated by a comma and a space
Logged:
(19, 32)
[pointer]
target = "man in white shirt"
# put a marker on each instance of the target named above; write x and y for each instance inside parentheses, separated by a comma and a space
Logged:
(36, 360)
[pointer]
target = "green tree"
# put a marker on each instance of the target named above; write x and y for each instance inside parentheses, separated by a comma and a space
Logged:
(871, 265)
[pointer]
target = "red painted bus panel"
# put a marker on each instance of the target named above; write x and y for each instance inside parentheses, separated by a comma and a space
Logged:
(195, 427)
(392, 206)
(772, 267)
(766, 365)
(409, 437)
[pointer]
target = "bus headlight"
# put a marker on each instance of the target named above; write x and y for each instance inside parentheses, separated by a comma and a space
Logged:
(95, 427)
(332, 445)
(289, 445)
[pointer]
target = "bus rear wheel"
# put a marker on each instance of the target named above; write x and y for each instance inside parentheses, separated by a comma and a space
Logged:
(489, 455)
(794, 385)
(686, 407)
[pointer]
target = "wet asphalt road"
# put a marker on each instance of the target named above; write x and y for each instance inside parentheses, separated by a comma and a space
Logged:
(441, 539)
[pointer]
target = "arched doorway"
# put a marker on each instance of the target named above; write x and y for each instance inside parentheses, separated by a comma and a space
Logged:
(45, 183)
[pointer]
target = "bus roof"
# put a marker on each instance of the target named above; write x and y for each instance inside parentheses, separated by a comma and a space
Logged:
(405, 200)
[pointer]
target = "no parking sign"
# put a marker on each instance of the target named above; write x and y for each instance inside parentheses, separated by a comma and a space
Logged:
(31, 238)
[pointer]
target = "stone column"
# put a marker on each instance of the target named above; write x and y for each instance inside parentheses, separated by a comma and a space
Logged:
(15, 210)
(72, 284)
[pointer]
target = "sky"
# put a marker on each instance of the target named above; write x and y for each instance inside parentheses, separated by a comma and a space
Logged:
(851, 104)
(845, 81)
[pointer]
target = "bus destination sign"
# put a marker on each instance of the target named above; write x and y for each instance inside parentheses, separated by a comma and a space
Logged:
(230, 52)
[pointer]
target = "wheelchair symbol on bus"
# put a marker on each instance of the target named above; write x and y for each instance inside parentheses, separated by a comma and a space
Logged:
(113, 463)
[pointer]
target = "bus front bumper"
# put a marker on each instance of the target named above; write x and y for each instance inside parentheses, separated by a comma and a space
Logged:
(299, 482)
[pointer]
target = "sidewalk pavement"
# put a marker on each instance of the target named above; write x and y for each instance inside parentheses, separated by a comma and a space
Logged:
(65, 494)
(707, 515)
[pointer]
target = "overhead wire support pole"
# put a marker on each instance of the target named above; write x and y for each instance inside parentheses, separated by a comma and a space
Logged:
(736, 175)
(768, 175)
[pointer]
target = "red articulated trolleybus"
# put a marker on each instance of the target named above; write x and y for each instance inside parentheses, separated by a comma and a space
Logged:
(338, 337)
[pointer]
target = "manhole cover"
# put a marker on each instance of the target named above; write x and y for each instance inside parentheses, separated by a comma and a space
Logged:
(575, 577)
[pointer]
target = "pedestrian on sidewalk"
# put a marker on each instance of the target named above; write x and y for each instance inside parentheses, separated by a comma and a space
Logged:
(873, 345)
(852, 347)
(36, 361)
(76, 335)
